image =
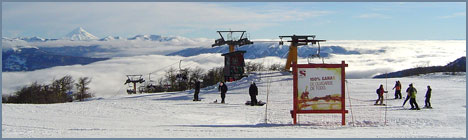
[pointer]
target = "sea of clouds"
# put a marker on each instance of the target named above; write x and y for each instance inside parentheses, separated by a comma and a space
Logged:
(108, 76)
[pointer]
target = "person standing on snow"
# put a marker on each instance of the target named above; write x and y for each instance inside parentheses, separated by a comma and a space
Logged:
(428, 98)
(253, 92)
(197, 90)
(380, 91)
(412, 92)
(223, 88)
(408, 96)
(398, 90)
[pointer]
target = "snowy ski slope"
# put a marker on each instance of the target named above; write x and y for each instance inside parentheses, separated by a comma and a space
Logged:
(174, 114)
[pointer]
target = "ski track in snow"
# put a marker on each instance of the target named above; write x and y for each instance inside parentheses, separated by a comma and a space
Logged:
(174, 114)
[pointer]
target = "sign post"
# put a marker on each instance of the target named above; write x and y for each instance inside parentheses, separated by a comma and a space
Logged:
(319, 88)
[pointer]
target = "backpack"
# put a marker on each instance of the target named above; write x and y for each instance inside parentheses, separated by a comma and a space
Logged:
(378, 91)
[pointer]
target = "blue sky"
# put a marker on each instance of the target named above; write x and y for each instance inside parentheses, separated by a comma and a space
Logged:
(327, 20)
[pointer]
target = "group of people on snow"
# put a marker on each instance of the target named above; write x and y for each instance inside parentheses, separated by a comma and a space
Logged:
(253, 92)
(411, 95)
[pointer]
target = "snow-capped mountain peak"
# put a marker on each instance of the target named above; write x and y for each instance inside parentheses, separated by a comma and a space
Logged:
(108, 38)
(146, 37)
(33, 39)
(80, 34)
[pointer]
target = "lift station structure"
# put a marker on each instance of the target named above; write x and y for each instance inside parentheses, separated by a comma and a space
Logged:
(234, 60)
(298, 40)
(134, 79)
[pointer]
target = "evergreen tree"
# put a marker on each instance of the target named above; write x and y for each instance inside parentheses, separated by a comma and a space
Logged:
(82, 87)
(59, 89)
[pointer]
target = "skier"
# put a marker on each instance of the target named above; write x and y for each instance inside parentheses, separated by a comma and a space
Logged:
(428, 98)
(380, 91)
(197, 90)
(398, 90)
(408, 95)
(253, 92)
(223, 88)
(412, 92)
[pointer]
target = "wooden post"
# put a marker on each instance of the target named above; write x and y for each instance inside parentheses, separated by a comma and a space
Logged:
(134, 87)
(343, 106)
(294, 117)
(294, 54)
(294, 112)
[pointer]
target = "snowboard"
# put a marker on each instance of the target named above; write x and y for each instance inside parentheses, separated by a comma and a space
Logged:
(380, 104)
(197, 100)
(259, 103)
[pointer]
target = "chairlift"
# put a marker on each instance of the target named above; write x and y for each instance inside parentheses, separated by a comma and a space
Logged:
(133, 79)
(317, 54)
(299, 40)
(182, 75)
(281, 41)
(130, 89)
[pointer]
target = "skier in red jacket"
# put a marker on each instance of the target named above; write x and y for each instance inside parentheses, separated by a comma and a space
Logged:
(380, 91)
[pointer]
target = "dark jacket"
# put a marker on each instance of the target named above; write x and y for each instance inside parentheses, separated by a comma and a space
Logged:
(223, 89)
(197, 85)
(428, 93)
(253, 90)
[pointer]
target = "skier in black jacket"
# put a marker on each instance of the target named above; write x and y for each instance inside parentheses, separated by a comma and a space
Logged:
(408, 96)
(223, 88)
(197, 90)
(428, 98)
(253, 92)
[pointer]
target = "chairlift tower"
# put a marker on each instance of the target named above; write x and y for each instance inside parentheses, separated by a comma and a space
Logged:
(134, 79)
(234, 60)
(298, 40)
(231, 42)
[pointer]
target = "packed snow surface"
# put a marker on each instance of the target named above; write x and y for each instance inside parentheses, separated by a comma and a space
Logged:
(174, 114)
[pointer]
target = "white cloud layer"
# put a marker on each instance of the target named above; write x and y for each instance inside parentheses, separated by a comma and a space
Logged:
(120, 47)
(108, 76)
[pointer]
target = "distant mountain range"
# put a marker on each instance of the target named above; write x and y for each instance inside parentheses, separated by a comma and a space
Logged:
(29, 59)
(259, 50)
(77, 47)
(28, 39)
(80, 34)
(458, 65)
